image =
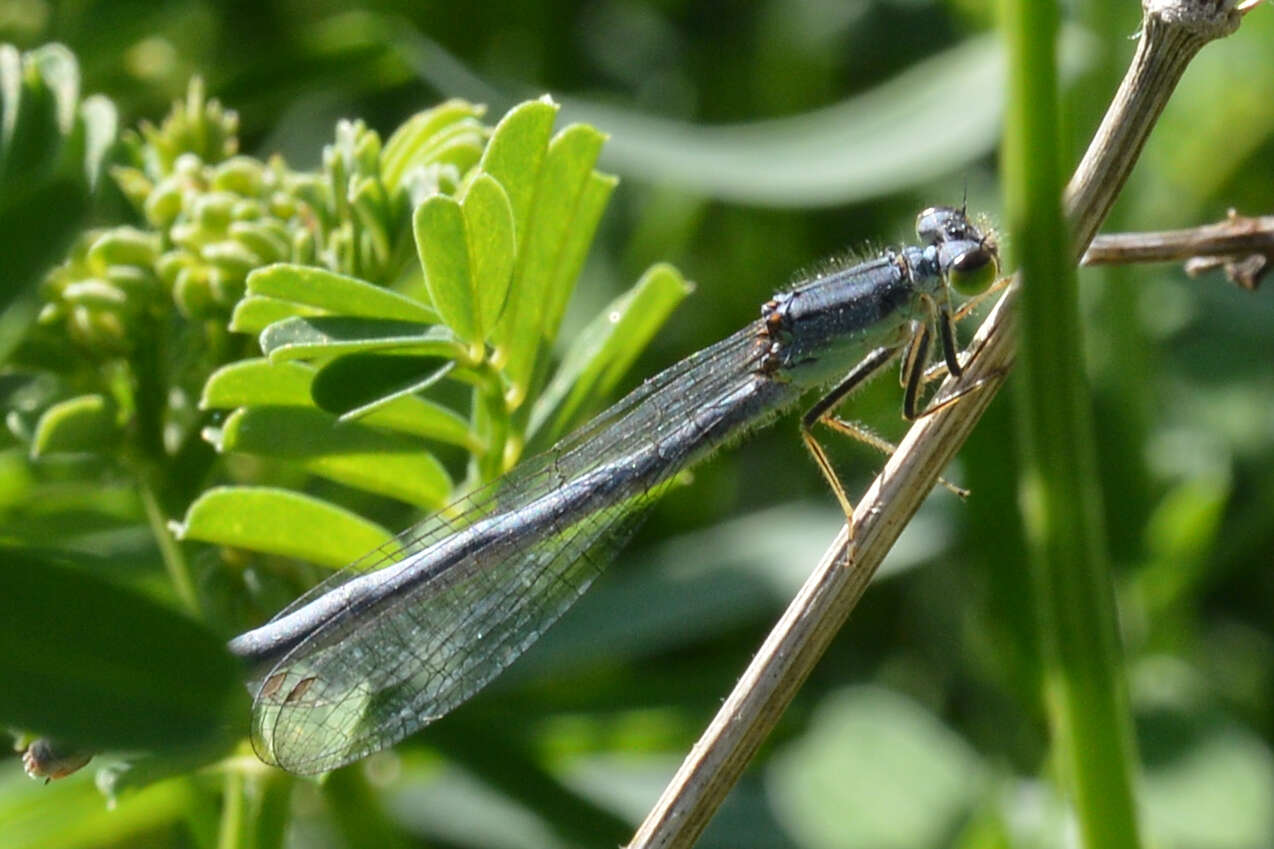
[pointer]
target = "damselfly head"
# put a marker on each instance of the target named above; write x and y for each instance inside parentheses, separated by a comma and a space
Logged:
(969, 255)
(945, 224)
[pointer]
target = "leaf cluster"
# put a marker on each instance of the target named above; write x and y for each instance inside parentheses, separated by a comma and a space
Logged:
(297, 361)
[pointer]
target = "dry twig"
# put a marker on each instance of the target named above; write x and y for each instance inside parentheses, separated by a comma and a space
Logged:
(1243, 247)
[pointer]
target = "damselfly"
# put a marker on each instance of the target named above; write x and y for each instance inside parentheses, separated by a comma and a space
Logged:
(414, 629)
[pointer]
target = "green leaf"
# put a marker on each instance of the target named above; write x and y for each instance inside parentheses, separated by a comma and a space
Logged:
(255, 313)
(77, 425)
(419, 417)
(466, 250)
(460, 145)
(51, 150)
(517, 147)
(101, 123)
(1180, 536)
(563, 178)
(347, 452)
(438, 225)
(257, 382)
(279, 521)
(123, 781)
(577, 241)
(488, 222)
(606, 349)
(348, 383)
(88, 661)
(1182, 530)
(416, 140)
(42, 89)
(336, 293)
(326, 336)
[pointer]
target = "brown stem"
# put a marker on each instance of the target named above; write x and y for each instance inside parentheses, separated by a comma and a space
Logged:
(1243, 247)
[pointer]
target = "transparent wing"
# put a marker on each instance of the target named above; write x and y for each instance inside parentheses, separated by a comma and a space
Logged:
(351, 689)
(623, 427)
(431, 650)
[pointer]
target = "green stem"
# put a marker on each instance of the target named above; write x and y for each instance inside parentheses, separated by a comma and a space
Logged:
(1083, 675)
(271, 809)
(231, 828)
(174, 560)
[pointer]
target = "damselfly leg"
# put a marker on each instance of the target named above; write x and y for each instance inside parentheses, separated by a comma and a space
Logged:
(823, 412)
(940, 369)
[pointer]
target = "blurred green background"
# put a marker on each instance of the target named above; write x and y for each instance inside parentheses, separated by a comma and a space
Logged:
(753, 140)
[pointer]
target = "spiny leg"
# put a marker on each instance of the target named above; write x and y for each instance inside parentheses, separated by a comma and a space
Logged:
(952, 354)
(940, 370)
(821, 411)
(884, 446)
(913, 369)
(910, 353)
(915, 378)
(919, 373)
(915, 354)
(950, 350)
(942, 403)
(914, 372)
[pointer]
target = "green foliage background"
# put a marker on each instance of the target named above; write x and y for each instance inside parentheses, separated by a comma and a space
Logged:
(834, 124)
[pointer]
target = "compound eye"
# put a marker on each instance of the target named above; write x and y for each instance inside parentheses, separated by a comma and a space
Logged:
(972, 272)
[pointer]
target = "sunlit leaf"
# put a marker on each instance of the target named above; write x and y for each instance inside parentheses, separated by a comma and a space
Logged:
(874, 770)
(257, 382)
(438, 224)
(517, 147)
(410, 414)
(335, 293)
(83, 424)
(575, 244)
(255, 313)
(327, 336)
(260, 382)
(488, 221)
(1206, 782)
(860, 148)
(351, 453)
(415, 142)
(280, 521)
(460, 145)
(564, 176)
